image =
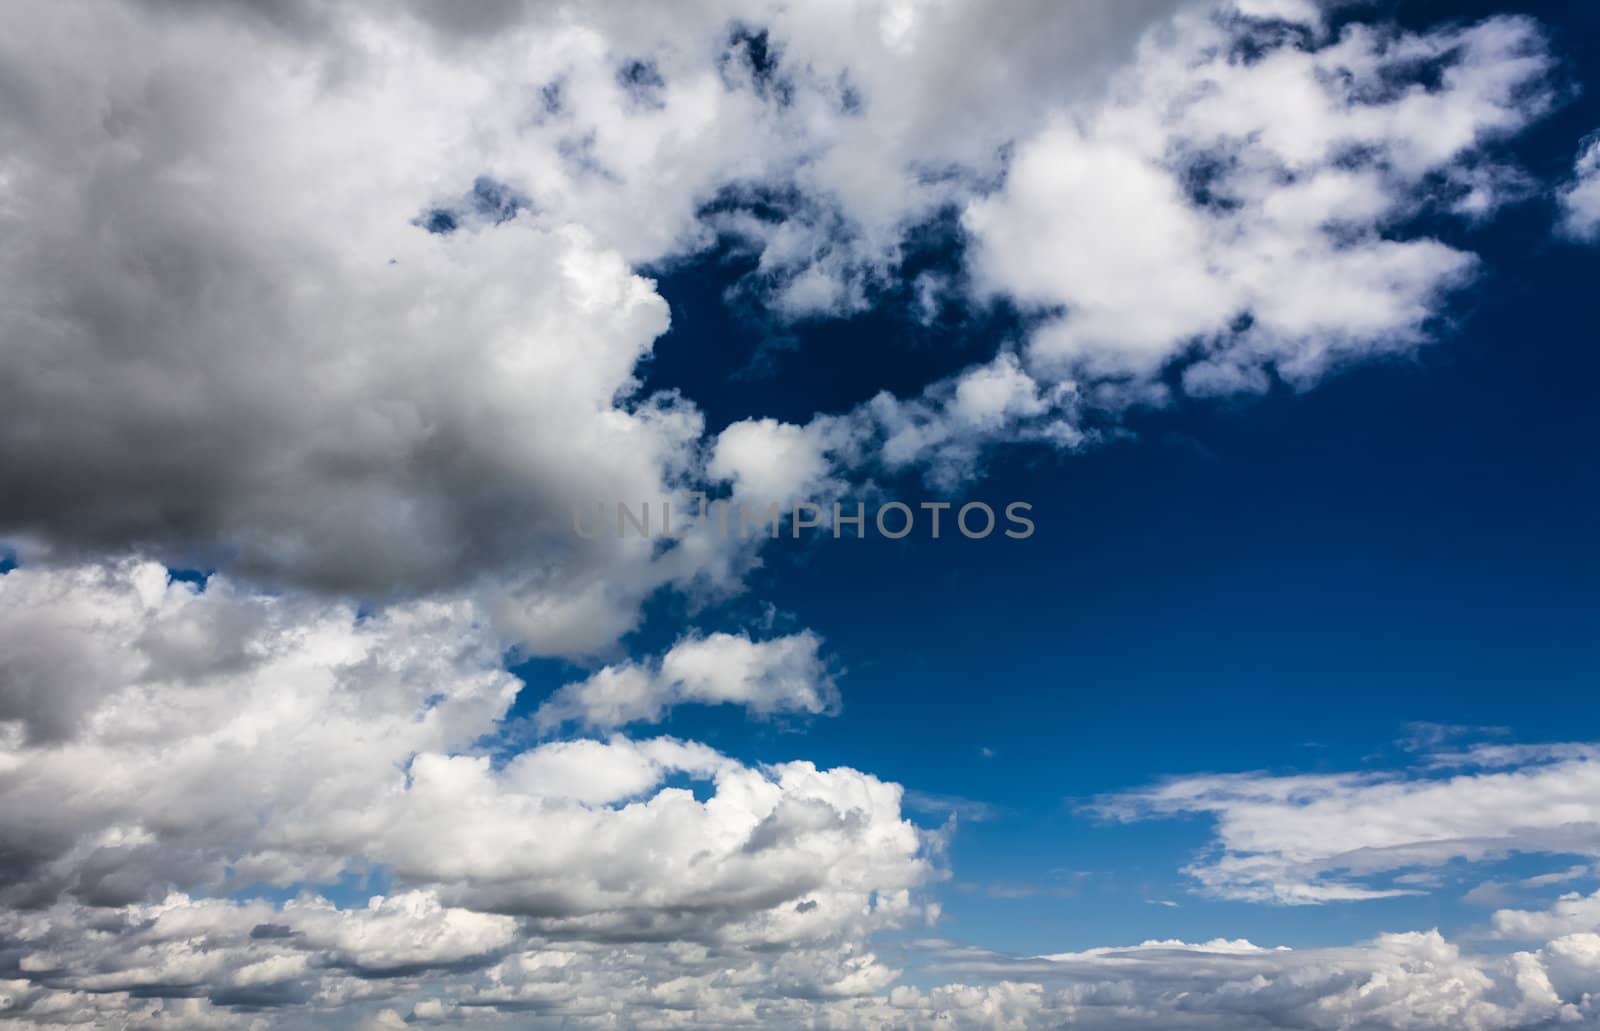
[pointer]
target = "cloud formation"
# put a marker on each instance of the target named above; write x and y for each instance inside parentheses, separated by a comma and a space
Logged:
(407, 960)
(224, 739)
(784, 674)
(242, 341)
(1315, 838)
(1235, 210)
(360, 319)
(204, 746)
(1580, 199)
(362, 316)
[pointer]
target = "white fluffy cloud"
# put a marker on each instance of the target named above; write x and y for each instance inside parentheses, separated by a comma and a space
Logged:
(233, 346)
(1573, 913)
(946, 429)
(1246, 206)
(1414, 980)
(223, 738)
(1241, 213)
(1580, 199)
(236, 344)
(204, 741)
(160, 738)
(1212, 221)
(192, 962)
(767, 462)
(784, 674)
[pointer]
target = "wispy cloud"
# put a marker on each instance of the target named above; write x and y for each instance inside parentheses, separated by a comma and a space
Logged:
(1318, 838)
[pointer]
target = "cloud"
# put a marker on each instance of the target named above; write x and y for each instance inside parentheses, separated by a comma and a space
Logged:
(362, 320)
(1210, 225)
(251, 738)
(239, 345)
(1413, 980)
(1573, 913)
(1303, 839)
(1571, 873)
(784, 674)
(769, 462)
(236, 349)
(362, 316)
(146, 961)
(969, 810)
(1264, 196)
(1422, 736)
(1580, 199)
(945, 430)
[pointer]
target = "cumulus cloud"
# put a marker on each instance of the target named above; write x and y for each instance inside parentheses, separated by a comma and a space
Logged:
(945, 430)
(1573, 913)
(1580, 199)
(361, 316)
(449, 967)
(227, 739)
(1412, 980)
(247, 739)
(784, 674)
(399, 375)
(766, 462)
(1215, 223)
(361, 321)
(1242, 205)
(234, 347)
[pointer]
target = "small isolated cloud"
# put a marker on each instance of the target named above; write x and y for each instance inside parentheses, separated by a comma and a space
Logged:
(783, 674)
(1492, 894)
(1422, 736)
(966, 810)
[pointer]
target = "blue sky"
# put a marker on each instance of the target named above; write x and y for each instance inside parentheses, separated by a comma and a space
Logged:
(315, 712)
(1280, 583)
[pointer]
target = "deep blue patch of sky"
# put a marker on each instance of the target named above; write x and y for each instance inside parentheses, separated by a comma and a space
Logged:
(1276, 583)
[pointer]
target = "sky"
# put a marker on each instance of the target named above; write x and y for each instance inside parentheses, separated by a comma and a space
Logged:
(328, 328)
